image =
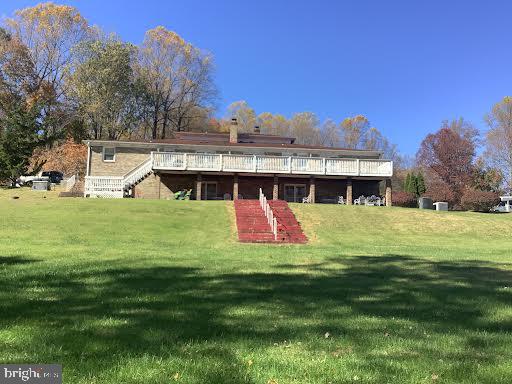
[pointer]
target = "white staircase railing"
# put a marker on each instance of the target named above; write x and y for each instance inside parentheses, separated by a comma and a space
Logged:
(137, 174)
(269, 214)
(115, 186)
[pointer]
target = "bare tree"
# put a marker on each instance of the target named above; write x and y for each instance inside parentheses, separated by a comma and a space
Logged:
(178, 79)
(499, 139)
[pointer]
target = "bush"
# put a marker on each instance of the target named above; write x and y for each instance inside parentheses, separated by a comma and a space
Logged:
(479, 201)
(440, 191)
(404, 199)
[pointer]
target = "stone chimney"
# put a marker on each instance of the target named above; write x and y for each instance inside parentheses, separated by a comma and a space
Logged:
(257, 129)
(233, 131)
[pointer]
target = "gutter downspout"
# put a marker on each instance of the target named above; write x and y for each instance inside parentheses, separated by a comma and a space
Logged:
(88, 168)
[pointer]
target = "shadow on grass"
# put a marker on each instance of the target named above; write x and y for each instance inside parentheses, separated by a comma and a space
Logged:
(15, 260)
(170, 311)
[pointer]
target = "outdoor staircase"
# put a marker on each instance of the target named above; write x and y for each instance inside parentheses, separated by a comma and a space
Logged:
(253, 225)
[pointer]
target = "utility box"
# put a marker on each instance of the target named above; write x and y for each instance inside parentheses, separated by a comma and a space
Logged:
(40, 185)
(425, 203)
(441, 206)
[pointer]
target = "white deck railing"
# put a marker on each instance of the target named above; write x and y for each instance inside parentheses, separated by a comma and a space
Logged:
(269, 214)
(104, 186)
(272, 164)
(115, 186)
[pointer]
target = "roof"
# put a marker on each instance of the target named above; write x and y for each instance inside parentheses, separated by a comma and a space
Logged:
(222, 140)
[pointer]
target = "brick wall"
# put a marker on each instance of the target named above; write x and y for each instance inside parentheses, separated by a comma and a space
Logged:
(152, 187)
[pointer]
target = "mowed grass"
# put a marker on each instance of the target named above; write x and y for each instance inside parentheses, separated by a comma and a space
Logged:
(132, 291)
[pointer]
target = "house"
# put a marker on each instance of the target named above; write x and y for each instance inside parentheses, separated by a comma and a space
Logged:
(233, 165)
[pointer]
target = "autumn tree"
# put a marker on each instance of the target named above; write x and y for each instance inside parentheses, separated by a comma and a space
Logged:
(68, 157)
(50, 31)
(304, 126)
(499, 139)
(448, 158)
(177, 78)
(104, 88)
(273, 124)
(354, 131)
(244, 114)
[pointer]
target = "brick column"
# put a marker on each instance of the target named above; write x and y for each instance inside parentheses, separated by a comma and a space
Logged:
(275, 189)
(235, 187)
(312, 189)
(389, 194)
(349, 192)
(198, 186)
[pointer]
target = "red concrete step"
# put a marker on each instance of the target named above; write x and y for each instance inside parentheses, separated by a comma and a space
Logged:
(253, 226)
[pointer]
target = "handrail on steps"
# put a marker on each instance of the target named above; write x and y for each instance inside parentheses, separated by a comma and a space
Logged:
(269, 214)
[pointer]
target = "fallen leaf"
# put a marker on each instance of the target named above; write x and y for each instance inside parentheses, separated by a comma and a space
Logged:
(327, 334)
(176, 376)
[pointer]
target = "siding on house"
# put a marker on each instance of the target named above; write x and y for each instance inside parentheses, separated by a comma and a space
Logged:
(126, 159)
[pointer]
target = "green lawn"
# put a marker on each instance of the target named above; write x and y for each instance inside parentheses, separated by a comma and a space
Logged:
(133, 291)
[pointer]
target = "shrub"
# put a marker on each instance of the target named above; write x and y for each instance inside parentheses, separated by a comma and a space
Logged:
(479, 201)
(404, 199)
(440, 191)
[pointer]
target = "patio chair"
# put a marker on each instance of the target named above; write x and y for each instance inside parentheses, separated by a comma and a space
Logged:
(341, 200)
(306, 200)
(361, 200)
(227, 196)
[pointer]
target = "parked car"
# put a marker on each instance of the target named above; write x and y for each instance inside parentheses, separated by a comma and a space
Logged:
(27, 180)
(55, 176)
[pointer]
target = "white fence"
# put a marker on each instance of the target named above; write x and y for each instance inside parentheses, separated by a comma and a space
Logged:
(272, 164)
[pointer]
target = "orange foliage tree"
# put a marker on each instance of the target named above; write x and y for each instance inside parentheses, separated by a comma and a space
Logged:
(69, 158)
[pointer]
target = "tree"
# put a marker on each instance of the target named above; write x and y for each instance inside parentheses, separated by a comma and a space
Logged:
(420, 185)
(415, 184)
(486, 178)
(104, 89)
(273, 124)
(177, 78)
(50, 31)
(20, 135)
(68, 157)
(463, 128)
(304, 127)
(354, 131)
(448, 157)
(329, 134)
(499, 139)
(244, 114)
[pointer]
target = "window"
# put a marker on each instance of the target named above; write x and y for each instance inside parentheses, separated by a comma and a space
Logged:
(109, 154)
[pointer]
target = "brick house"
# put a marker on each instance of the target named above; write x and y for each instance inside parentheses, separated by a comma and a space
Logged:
(233, 165)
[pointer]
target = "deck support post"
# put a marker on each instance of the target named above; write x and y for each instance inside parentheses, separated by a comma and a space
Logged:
(235, 187)
(198, 186)
(275, 188)
(312, 189)
(389, 193)
(349, 192)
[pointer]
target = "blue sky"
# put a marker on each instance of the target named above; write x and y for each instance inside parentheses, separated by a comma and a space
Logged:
(406, 65)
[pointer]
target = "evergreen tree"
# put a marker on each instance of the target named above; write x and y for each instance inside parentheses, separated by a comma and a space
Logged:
(407, 184)
(421, 187)
(21, 132)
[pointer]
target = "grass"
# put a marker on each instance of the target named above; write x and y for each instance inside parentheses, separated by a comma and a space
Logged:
(131, 291)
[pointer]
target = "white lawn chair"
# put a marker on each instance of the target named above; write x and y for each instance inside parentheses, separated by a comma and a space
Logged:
(341, 200)
(306, 200)
(360, 201)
